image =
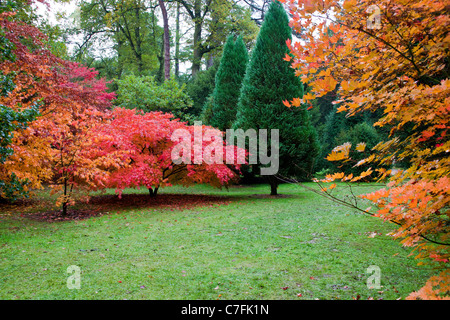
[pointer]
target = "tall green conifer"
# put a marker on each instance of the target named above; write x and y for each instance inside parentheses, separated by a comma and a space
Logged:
(268, 81)
(228, 83)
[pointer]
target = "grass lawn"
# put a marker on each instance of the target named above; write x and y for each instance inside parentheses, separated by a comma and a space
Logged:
(241, 244)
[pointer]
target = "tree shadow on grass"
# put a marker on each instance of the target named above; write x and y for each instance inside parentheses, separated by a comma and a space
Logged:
(104, 204)
(99, 205)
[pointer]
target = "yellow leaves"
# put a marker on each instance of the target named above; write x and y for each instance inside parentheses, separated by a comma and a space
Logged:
(341, 108)
(296, 102)
(366, 173)
(340, 152)
(326, 84)
(349, 86)
(349, 4)
(308, 96)
(344, 85)
(360, 147)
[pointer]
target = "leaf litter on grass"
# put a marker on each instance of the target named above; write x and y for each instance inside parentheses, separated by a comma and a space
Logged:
(103, 204)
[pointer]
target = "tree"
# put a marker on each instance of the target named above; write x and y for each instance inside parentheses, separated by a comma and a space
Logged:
(228, 83)
(55, 147)
(258, 7)
(145, 94)
(166, 44)
(269, 80)
(201, 86)
(130, 25)
(10, 120)
(410, 91)
(213, 21)
(150, 139)
(340, 129)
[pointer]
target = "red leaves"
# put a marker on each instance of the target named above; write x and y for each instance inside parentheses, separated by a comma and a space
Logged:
(150, 139)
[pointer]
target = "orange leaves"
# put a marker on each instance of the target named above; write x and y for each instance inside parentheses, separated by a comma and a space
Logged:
(360, 147)
(407, 93)
(436, 288)
(349, 5)
(287, 57)
(325, 84)
(332, 186)
(341, 108)
(296, 102)
(57, 147)
(364, 174)
(340, 153)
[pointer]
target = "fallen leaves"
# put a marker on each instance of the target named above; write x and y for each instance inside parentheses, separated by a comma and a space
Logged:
(104, 204)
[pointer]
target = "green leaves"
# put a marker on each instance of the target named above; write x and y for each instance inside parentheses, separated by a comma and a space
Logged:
(145, 94)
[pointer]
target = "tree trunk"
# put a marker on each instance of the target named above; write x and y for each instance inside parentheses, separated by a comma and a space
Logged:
(64, 209)
(273, 181)
(119, 54)
(65, 204)
(197, 59)
(273, 189)
(166, 41)
(160, 75)
(177, 43)
(153, 192)
(210, 61)
(137, 34)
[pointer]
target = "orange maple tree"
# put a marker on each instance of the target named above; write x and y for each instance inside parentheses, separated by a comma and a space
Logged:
(56, 148)
(389, 57)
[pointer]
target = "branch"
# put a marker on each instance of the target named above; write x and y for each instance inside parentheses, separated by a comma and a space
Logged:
(329, 196)
(188, 8)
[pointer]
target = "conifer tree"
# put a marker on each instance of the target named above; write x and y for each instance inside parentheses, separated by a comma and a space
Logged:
(269, 80)
(228, 83)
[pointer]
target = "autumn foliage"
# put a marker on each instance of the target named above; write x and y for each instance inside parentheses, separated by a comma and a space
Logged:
(149, 139)
(389, 57)
(77, 141)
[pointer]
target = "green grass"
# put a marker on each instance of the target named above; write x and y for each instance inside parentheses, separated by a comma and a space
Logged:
(251, 248)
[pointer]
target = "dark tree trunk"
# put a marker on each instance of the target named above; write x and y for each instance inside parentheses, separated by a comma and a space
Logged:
(153, 192)
(138, 51)
(273, 181)
(166, 41)
(65, 204)
(160, 75)
(198, 25)
(177, 43)
(197, 59)
(273, 189)
(64, 209)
